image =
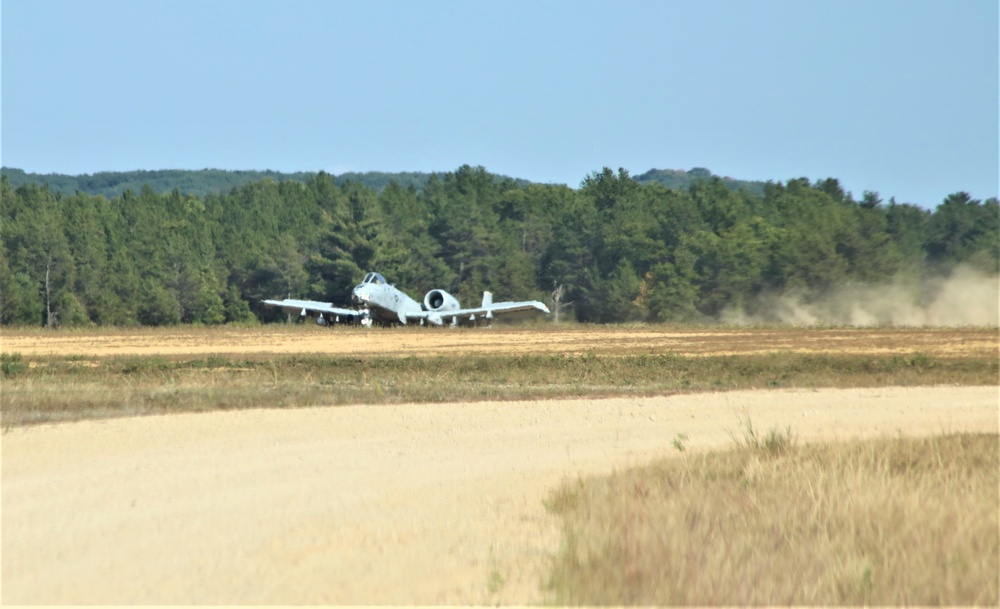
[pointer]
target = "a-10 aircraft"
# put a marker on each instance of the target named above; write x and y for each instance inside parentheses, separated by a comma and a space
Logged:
(384, 304)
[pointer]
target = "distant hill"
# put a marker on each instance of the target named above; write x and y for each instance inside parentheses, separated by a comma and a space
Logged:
(201, 182)
(194, 182)
(679, 179)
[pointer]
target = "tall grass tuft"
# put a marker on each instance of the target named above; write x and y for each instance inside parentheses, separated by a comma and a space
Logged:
(773, 443)
(12, 364)
(884, 522)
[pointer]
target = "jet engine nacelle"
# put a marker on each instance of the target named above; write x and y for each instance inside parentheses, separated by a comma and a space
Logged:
(439, 300)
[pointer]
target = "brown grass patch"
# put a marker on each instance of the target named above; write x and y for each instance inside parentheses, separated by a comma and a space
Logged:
(884, 522)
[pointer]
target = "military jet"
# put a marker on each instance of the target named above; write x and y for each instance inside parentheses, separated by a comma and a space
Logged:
(383, 303)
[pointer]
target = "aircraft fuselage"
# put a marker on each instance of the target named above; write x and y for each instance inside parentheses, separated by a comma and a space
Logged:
(387, 303)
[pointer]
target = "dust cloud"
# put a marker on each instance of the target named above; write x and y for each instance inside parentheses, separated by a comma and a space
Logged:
(964, 298)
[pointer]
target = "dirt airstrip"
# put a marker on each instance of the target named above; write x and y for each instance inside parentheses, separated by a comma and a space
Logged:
(347, 340)
(401, 504)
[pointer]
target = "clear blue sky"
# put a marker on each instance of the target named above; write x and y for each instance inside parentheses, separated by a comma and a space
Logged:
(895, 96)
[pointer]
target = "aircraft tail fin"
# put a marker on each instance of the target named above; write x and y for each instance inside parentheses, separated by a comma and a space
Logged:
(487, 299)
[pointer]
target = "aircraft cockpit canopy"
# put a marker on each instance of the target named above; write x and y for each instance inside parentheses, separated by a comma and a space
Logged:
(373, 278)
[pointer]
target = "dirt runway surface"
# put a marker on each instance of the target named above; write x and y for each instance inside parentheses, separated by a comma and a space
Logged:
(402, 504)
(190, 341)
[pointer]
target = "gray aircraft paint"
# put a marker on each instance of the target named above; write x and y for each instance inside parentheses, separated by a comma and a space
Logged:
(387, 304)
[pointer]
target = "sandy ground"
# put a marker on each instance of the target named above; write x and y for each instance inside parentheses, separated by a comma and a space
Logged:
(425, 504)
(355, 341)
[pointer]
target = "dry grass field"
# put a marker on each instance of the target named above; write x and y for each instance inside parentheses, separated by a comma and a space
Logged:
(885, 522)
(299, 464)
(64, 376)
(569, 339)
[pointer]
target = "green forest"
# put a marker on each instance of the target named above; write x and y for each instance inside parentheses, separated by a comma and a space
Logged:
(615, 249)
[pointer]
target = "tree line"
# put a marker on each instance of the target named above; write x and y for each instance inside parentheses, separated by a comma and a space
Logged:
(201, 182)
(613, 250)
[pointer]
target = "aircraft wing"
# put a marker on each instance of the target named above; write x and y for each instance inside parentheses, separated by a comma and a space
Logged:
(486, 313)
(314, 308)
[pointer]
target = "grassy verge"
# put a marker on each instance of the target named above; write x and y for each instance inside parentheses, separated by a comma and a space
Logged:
(48, 388)
(883, 522)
